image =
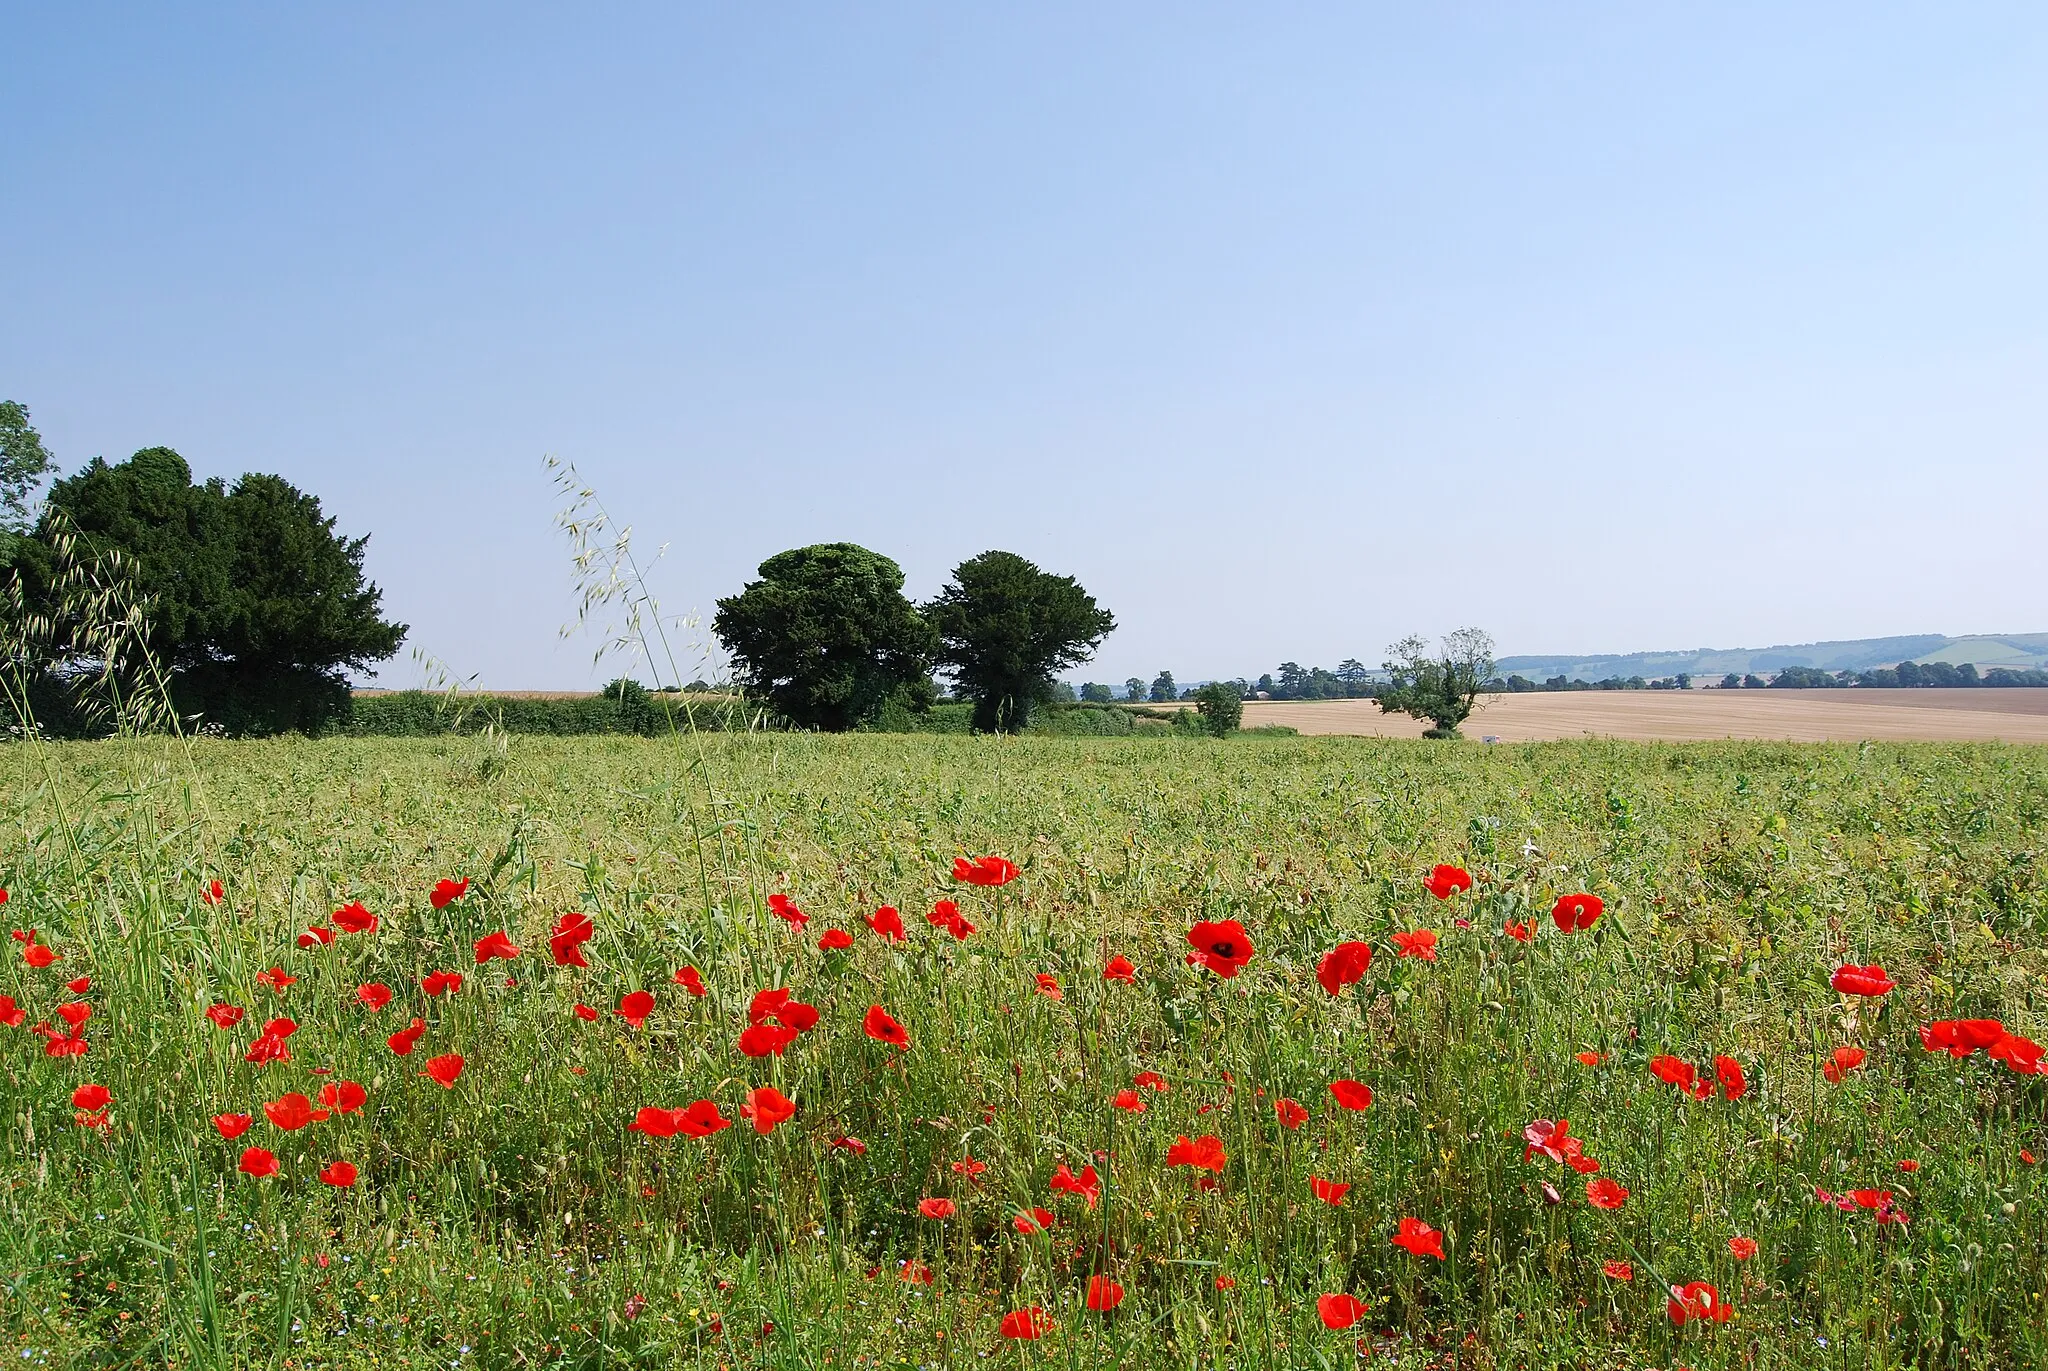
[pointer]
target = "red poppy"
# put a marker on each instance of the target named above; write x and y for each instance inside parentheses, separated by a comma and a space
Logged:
(1742, 1249)
(1908, 1164)
(353, 917)
(1861, 980)
(565, 941)
(1048, 985)
(937, 1207)
(1222, 945)
(441, 982)
(1151, 1080)
(688, 979)
(1032, 1221)
(75, 1013)
(341, 1174)
(447, 892)
(1104, 1294)
(585, 1013)
(91, 1097)
(2022, 1056)
(1446, 881)
(1339, 1312)
(275, 980)
(1576, 913)
(1697, 1301)
(1119, 968)
(1606, 1193)
(782, 907)
(1129, 1100)
(700, 1119)
(835, 940)
(1961, 1037)
(1292, 1115)
(1225, 1283)
(233, 1126)
(635, 1006)
(1421, 943)
(1351, 1094)
(344, 1097)
(402, 1041)
(1618, 1271)
(444, 1070)
(14, 1016)
(2028, 1157)
(1591, 1058)
(1842, 1062)
(945, 914)
(57, 1045)
(1345, 964)
(495, 945)
(764, 1039)
(270, 1045)
(374, 996)
(38, 956)
(292, 1112)
(1728, 1071)
(853, 1145)
(883, 1029)
(1329, 1192)
(258, 1163)
(765, 1003)
(1204, 1153)
(78, 985)
(1521, 933)
(316, 936)
(885, 923)
(213, 894)
(984, 870)
(1087, 1185)
(1578, 1162)
(767, 1107)
(915, 1272)
(1030, 1324)
(1420, 1239)
(1553, 1140)
(1673, 1071)
(797, 1016)
(969, 1167)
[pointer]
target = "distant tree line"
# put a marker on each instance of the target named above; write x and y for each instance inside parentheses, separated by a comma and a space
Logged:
(1904, 676)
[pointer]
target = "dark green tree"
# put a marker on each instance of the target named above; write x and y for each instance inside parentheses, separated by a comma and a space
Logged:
(1005, 627)
(1097, 694)
(827, 636)
(1441, 686)
(1162, 687)
(1221, 706)
(24, 462)
(1134, 689)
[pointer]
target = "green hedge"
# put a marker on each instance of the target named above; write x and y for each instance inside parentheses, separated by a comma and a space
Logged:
(420, 714)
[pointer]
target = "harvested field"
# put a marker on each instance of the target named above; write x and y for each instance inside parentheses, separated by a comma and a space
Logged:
(1983, 715)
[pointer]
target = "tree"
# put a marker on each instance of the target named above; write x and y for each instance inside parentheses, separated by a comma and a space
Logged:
(1353, 674)
(1731, 682)
(24, 462)
(1096, 694)
(256, 607)
(1162, 687)
(1134, 690)
(827, 635)
(1221, 706)
(1440, 686)
(1005, 627)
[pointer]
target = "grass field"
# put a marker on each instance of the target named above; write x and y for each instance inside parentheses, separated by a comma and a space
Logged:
(514, 1217)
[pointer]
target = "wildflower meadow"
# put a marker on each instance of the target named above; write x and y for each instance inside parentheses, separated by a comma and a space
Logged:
(790, 1050)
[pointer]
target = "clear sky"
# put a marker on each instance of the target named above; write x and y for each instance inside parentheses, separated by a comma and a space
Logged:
(1287, 329)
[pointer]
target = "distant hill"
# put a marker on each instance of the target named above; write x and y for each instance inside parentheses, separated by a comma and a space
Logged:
(2020, 650)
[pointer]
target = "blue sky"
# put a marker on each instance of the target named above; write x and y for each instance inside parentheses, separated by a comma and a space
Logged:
(1287, 329)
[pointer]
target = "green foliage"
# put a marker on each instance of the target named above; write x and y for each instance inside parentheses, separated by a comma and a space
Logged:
(1163, 688)
(1440, 686)
(1221, 707)
(827, 637)
(24, 464)
(1005, 627)
(1092, 693)
(625, 707)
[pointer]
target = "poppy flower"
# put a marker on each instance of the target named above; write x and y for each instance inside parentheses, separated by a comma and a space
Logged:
(765, 1039)
(566, 939)
(2029, 1158)
(945, 914)
(835, 940)
(1591, 1058)
(585, 1013)
(2022, 1056)
(763, 1006)
(1908, 1164)
(447, 892)
(936, 1207)
(232, 1126)
(441, 982)
(1553, 1140)
(1728, 1071)
(1345, 964)
(655, 1121)
(39, 956)
(1842, 1062)
(495, 945)
(275, 980)
(270, 1045)
(1150, 1080)
(1027, 1325)
(344, 1097)
(444, 1070)
(984, 871)
(767, 1107)
(885, 923)
(13, 1015)
(1292, 1115)
(213, 894)
(782, 907)
(688, 979)
(78, 985)
(353, 917)
(258, 1163)
(1104, 1294)
(1446, 881)
(1225, 1283)
(1420, 1239)
(1961, 1037)
(340, 1174)
(1618, 1271)
(374, 996)
(402, 1041)
(316, 936)
(797, 1016)
(915, 1272)
(76, 1012)
(1580, 1163)
(1742, 1249)
(1521, 933)
(883, 1029)
(1861, 980)
(91, 1097)
(1339, 1312)
(1576, 913)
(1204, 1153)
(292, 1112)
(969, 1167)
(1331, 1193)
(1421, 943)
(853, 1145)
(700, 1119)
(1087, 1185)
(1222, 945)
(1048, 985)
(1606, 1193)
(1129, 1100)
(635, 1006)
(1351, 1094)
(1119, 968)
(1032, 1221)
(1696, 1301)
(57, 1045)
(1673, 1071)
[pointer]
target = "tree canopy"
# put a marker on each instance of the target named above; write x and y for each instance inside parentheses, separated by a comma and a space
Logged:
(827, 635)
(1442, 685)
(1005, 627)
(24, 462)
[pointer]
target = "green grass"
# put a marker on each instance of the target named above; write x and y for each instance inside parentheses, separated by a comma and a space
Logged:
(508, 1221)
